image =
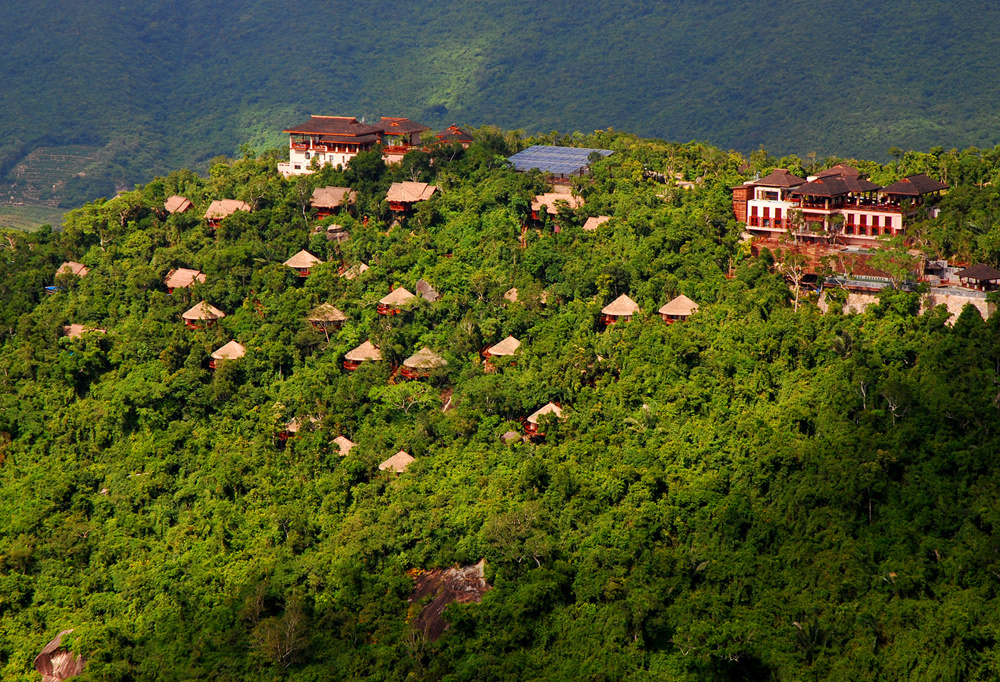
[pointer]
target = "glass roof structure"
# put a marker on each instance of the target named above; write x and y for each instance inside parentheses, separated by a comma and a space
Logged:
(555, 160)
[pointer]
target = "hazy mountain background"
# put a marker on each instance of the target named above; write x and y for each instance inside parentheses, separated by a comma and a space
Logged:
(154, 85)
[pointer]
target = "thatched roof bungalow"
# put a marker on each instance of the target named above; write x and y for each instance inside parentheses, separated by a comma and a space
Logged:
(531, 424)
(325, 315)
(594, 222)
(201, 315)
(678, 309)
(455, 134)
(392, 303)
(231, 351)
(366, 352)
(176, 204)
(505, 348)
(181, 278)
(223, 208)
(398, 462)
(422, 363)
(622, 308)
(326, 200)
(302, 262)
(71, 267)
(402, 195)
(345, 445)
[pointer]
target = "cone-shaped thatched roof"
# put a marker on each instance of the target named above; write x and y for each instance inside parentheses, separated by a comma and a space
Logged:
(682, 305)
(397, 297)
(397, 462)
(594, 222)
(506, 347)
(303, 259)
(550, 408)
(183, 277)
(511, 295)
(345, 445)
(366, 351)
(425, 358)
(231, 351)
(203, 311)
(325, 312)
(623, 305)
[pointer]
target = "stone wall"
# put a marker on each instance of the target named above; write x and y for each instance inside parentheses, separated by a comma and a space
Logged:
(954, 302)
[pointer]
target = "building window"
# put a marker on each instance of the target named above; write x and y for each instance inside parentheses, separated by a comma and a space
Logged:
(848, 228)
(888, 224)
(307, 155)
(298, 167)
(850, 219)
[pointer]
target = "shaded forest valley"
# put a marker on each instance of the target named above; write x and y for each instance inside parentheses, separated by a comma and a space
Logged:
(757, 492)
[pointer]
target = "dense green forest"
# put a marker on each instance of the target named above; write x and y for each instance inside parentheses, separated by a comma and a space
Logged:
(168, 83)
(755, 493)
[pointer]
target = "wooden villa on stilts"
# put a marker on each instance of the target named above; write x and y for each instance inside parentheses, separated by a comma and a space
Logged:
(325, 316)
(182, 278)
(302, 262)
(531, 423)
(231, 351)
(681, 308)
(622, 308)
(366, 352)
(392, 303)
(202, 316)
(176, 204)
(403, 195)
(504, 349)
(422, 363)
(328, 200)
(223, 208)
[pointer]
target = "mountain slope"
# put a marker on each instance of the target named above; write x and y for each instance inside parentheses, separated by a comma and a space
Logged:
(178, 82)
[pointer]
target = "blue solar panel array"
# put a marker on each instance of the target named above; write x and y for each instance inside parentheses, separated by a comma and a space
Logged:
(555, 160)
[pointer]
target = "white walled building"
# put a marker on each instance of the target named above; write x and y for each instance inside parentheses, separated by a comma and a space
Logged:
(335, 140)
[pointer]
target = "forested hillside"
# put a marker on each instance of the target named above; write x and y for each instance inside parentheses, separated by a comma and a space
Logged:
(172, 82)
(753, 493)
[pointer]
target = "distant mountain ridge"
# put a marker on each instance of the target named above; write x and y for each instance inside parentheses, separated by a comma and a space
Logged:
(172, 82)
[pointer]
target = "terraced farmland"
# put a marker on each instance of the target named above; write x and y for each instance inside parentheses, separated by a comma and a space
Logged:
(29, 217)
(48, 166)
(29, 195)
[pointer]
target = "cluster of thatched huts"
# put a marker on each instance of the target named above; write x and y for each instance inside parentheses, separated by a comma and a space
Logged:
(623, 308)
